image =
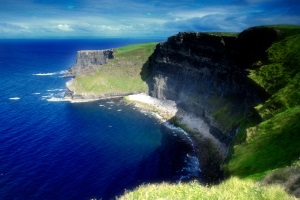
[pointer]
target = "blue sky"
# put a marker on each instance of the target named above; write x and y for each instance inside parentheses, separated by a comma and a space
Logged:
(138, 18)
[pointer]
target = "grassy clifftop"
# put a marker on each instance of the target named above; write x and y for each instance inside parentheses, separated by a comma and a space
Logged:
(119, 75)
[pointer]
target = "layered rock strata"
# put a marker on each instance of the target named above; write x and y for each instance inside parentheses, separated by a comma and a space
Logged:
(206, 76)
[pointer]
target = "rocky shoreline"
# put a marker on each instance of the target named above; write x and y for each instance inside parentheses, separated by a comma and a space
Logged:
(166, 110)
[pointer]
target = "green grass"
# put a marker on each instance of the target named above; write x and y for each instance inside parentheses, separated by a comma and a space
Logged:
(287, 29)
(120, 75)
(274, 143)
(232, 189)
(225, 111)
(284, 64)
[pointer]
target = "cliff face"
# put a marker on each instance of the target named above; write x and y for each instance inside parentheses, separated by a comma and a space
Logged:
(89, 58)
(205, 74)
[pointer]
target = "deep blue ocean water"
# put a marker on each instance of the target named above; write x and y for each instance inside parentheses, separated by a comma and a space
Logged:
(62, 150)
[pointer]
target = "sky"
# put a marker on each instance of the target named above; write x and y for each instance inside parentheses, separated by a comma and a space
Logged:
(138, 18)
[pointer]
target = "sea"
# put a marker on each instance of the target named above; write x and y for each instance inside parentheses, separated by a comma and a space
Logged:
(54, 149)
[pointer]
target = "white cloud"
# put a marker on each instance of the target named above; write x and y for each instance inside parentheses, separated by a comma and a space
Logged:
(13, 28)
(137, 18)
(196, 13)
(64, 27)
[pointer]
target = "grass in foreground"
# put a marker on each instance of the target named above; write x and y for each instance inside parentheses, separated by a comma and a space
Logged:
(122, 74)
(233, 188)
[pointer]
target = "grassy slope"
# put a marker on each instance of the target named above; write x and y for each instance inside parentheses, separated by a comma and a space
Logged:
(274, 143)
(119, 75)
(233, 188)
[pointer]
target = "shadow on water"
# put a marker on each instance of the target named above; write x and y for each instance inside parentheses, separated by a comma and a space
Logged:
(168, 163)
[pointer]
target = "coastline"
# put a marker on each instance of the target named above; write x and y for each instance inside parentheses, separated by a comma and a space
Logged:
(166, 110)
(89, 99)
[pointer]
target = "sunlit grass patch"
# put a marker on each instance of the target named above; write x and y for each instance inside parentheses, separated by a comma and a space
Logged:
(233, 188)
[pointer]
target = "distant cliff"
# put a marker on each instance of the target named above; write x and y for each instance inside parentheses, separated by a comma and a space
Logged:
(109, 73)
(206, 75)
(89, 58)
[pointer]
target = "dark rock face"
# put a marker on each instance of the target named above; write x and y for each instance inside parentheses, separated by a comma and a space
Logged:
(205, 74)
(90, 58)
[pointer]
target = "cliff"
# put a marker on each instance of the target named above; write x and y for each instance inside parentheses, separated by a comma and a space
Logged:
(89, 59)
(206, 75)
(245, 87)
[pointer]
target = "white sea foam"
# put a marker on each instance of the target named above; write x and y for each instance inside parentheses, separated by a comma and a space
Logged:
(102, 105)
(36, 93)
(55, 90)
(119, 110)
(54, 99)
(44, 74)
(181, 131)
(48, 96)
(192, 166)
(14, 98)
(63, 72)
(50, 73)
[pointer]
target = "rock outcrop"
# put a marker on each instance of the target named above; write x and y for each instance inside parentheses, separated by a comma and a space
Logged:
(206, 75)
(89, 58)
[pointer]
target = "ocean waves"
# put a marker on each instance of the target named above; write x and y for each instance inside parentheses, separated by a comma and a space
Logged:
(191, 167)
(51, 73)
(14, 98)
(75, 150)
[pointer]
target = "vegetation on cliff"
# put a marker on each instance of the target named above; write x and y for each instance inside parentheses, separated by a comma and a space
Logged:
(272, 147)
(273, 144)
(119, 75)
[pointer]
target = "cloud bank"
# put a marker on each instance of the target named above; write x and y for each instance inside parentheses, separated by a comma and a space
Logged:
(138, 18)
